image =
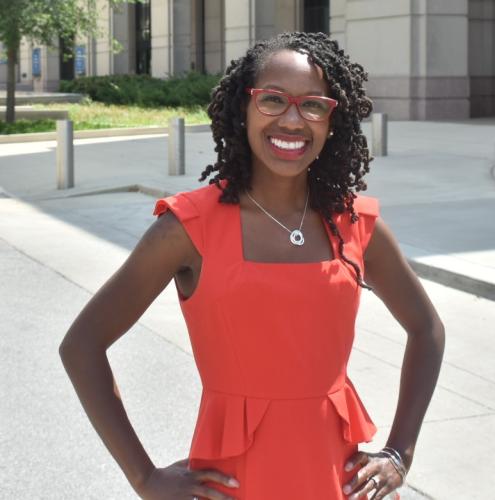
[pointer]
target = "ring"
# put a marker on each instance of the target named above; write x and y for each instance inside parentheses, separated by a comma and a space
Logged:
(375, 482)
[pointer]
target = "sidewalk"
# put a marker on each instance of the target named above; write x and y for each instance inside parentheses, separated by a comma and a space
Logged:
(450, 190)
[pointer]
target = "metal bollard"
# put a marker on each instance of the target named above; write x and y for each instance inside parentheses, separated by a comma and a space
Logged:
(379, 134)
(65, 154)
(176, 147)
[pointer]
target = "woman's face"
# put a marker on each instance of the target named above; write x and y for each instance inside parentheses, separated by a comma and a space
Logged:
(276, 141)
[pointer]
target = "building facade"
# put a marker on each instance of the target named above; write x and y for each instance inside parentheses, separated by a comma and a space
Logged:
(426, 59)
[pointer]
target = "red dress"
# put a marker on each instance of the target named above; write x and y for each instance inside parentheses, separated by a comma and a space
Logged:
(271, 342)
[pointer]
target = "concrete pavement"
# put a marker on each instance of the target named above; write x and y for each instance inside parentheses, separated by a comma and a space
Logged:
(436, 192)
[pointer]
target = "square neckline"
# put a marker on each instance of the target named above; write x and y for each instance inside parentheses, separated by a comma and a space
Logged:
(240, 247)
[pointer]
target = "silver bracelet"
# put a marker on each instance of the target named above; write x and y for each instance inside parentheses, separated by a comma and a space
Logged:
(396, 460)
(394, 452)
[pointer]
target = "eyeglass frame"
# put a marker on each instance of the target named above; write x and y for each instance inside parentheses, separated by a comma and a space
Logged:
(292, 100)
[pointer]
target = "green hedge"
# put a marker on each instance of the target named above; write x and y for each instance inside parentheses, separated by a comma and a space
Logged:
(27, 126)
(142, 90)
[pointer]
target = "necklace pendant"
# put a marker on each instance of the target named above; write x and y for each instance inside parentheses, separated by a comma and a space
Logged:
(296, 237)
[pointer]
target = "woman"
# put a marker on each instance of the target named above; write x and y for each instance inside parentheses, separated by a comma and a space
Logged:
(269, 260)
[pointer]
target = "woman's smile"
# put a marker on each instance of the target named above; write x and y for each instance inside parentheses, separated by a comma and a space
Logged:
(288, 147)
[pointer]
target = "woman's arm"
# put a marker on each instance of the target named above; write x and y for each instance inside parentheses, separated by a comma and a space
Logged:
(393, 280)
(162, 252)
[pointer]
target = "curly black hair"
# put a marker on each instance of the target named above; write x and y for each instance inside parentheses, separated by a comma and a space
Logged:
(344, 160)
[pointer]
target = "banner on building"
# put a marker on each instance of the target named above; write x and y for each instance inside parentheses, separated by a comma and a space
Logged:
(80, 64)
(36, 62)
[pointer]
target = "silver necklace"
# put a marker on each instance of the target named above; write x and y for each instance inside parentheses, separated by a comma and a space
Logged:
(296, 236)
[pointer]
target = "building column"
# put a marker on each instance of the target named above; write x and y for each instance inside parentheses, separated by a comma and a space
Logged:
(49, 81)
(103, 44)
(338, 21)
(214, 36)
(25, 60)
(289, 15)
(239, 28)
(124, 31)
(182, 35)
(416, 54)
(161, 38)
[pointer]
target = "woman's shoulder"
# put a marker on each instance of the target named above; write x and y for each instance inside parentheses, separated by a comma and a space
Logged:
(204, 196)
(367, 205)
(189, 204)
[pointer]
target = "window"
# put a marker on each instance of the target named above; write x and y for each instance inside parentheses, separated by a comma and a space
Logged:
(316, 15)
(143, 37)
(66, 58)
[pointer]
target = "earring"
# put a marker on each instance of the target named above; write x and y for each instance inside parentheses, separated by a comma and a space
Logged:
(330, 134)
(317, 157)
(243, 124)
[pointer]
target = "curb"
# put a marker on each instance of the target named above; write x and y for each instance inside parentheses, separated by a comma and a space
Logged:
(96, 133)
(453, 280)
(129, 188)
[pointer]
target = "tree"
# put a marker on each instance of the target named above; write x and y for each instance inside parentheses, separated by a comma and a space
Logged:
(43, 22)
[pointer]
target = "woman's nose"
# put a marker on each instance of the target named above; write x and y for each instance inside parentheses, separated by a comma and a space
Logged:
(292, 118)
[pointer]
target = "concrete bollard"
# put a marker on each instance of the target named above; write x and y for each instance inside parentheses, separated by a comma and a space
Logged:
(65, 154)
(176, 147)
(379, 133)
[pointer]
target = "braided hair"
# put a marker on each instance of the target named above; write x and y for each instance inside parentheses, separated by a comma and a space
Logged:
(344, 159)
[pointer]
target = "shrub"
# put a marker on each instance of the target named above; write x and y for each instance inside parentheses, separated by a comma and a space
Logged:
(191, 89)
(27, 126)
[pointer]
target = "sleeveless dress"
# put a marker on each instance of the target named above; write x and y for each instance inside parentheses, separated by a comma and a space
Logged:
(271, 342)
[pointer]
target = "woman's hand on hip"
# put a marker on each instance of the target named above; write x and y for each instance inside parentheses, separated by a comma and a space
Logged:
(377, 476)
(177, 482)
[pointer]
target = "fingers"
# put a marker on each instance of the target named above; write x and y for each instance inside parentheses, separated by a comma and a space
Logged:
(204, 475)
(383, 492)
(361, 483)
(210, 493)
(377, 475)
(360, 458)
(386, 486)
(370, 485)
(217, 476)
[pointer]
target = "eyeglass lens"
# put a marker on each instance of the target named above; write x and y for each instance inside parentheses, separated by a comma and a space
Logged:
(276, 104)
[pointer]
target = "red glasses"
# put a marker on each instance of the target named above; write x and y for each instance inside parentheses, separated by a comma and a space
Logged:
(274, 103)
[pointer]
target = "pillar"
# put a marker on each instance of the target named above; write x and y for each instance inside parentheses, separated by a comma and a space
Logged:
(415, 52)
(161, 38)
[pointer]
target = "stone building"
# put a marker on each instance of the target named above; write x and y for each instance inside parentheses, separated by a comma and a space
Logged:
(426, 59)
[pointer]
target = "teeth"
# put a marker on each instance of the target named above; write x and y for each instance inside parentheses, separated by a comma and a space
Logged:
(287, 145)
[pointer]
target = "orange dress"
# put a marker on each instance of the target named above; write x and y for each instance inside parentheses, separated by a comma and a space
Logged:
(271, 342)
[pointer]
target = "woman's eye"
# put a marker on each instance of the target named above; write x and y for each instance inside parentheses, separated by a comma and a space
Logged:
(313, 104)
(271, 98)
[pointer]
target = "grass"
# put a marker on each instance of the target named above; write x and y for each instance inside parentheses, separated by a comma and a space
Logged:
(26, 126)
(95, 115)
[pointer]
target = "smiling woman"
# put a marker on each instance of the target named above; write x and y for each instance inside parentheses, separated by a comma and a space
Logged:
(269, 261)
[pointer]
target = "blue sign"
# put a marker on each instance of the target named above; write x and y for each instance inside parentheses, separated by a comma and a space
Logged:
(80, 67)
(36, 62)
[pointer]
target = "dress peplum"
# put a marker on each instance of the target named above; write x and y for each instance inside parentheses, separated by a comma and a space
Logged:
(271, 342)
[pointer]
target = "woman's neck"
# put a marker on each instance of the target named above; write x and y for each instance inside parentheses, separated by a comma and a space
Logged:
(283, 195)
